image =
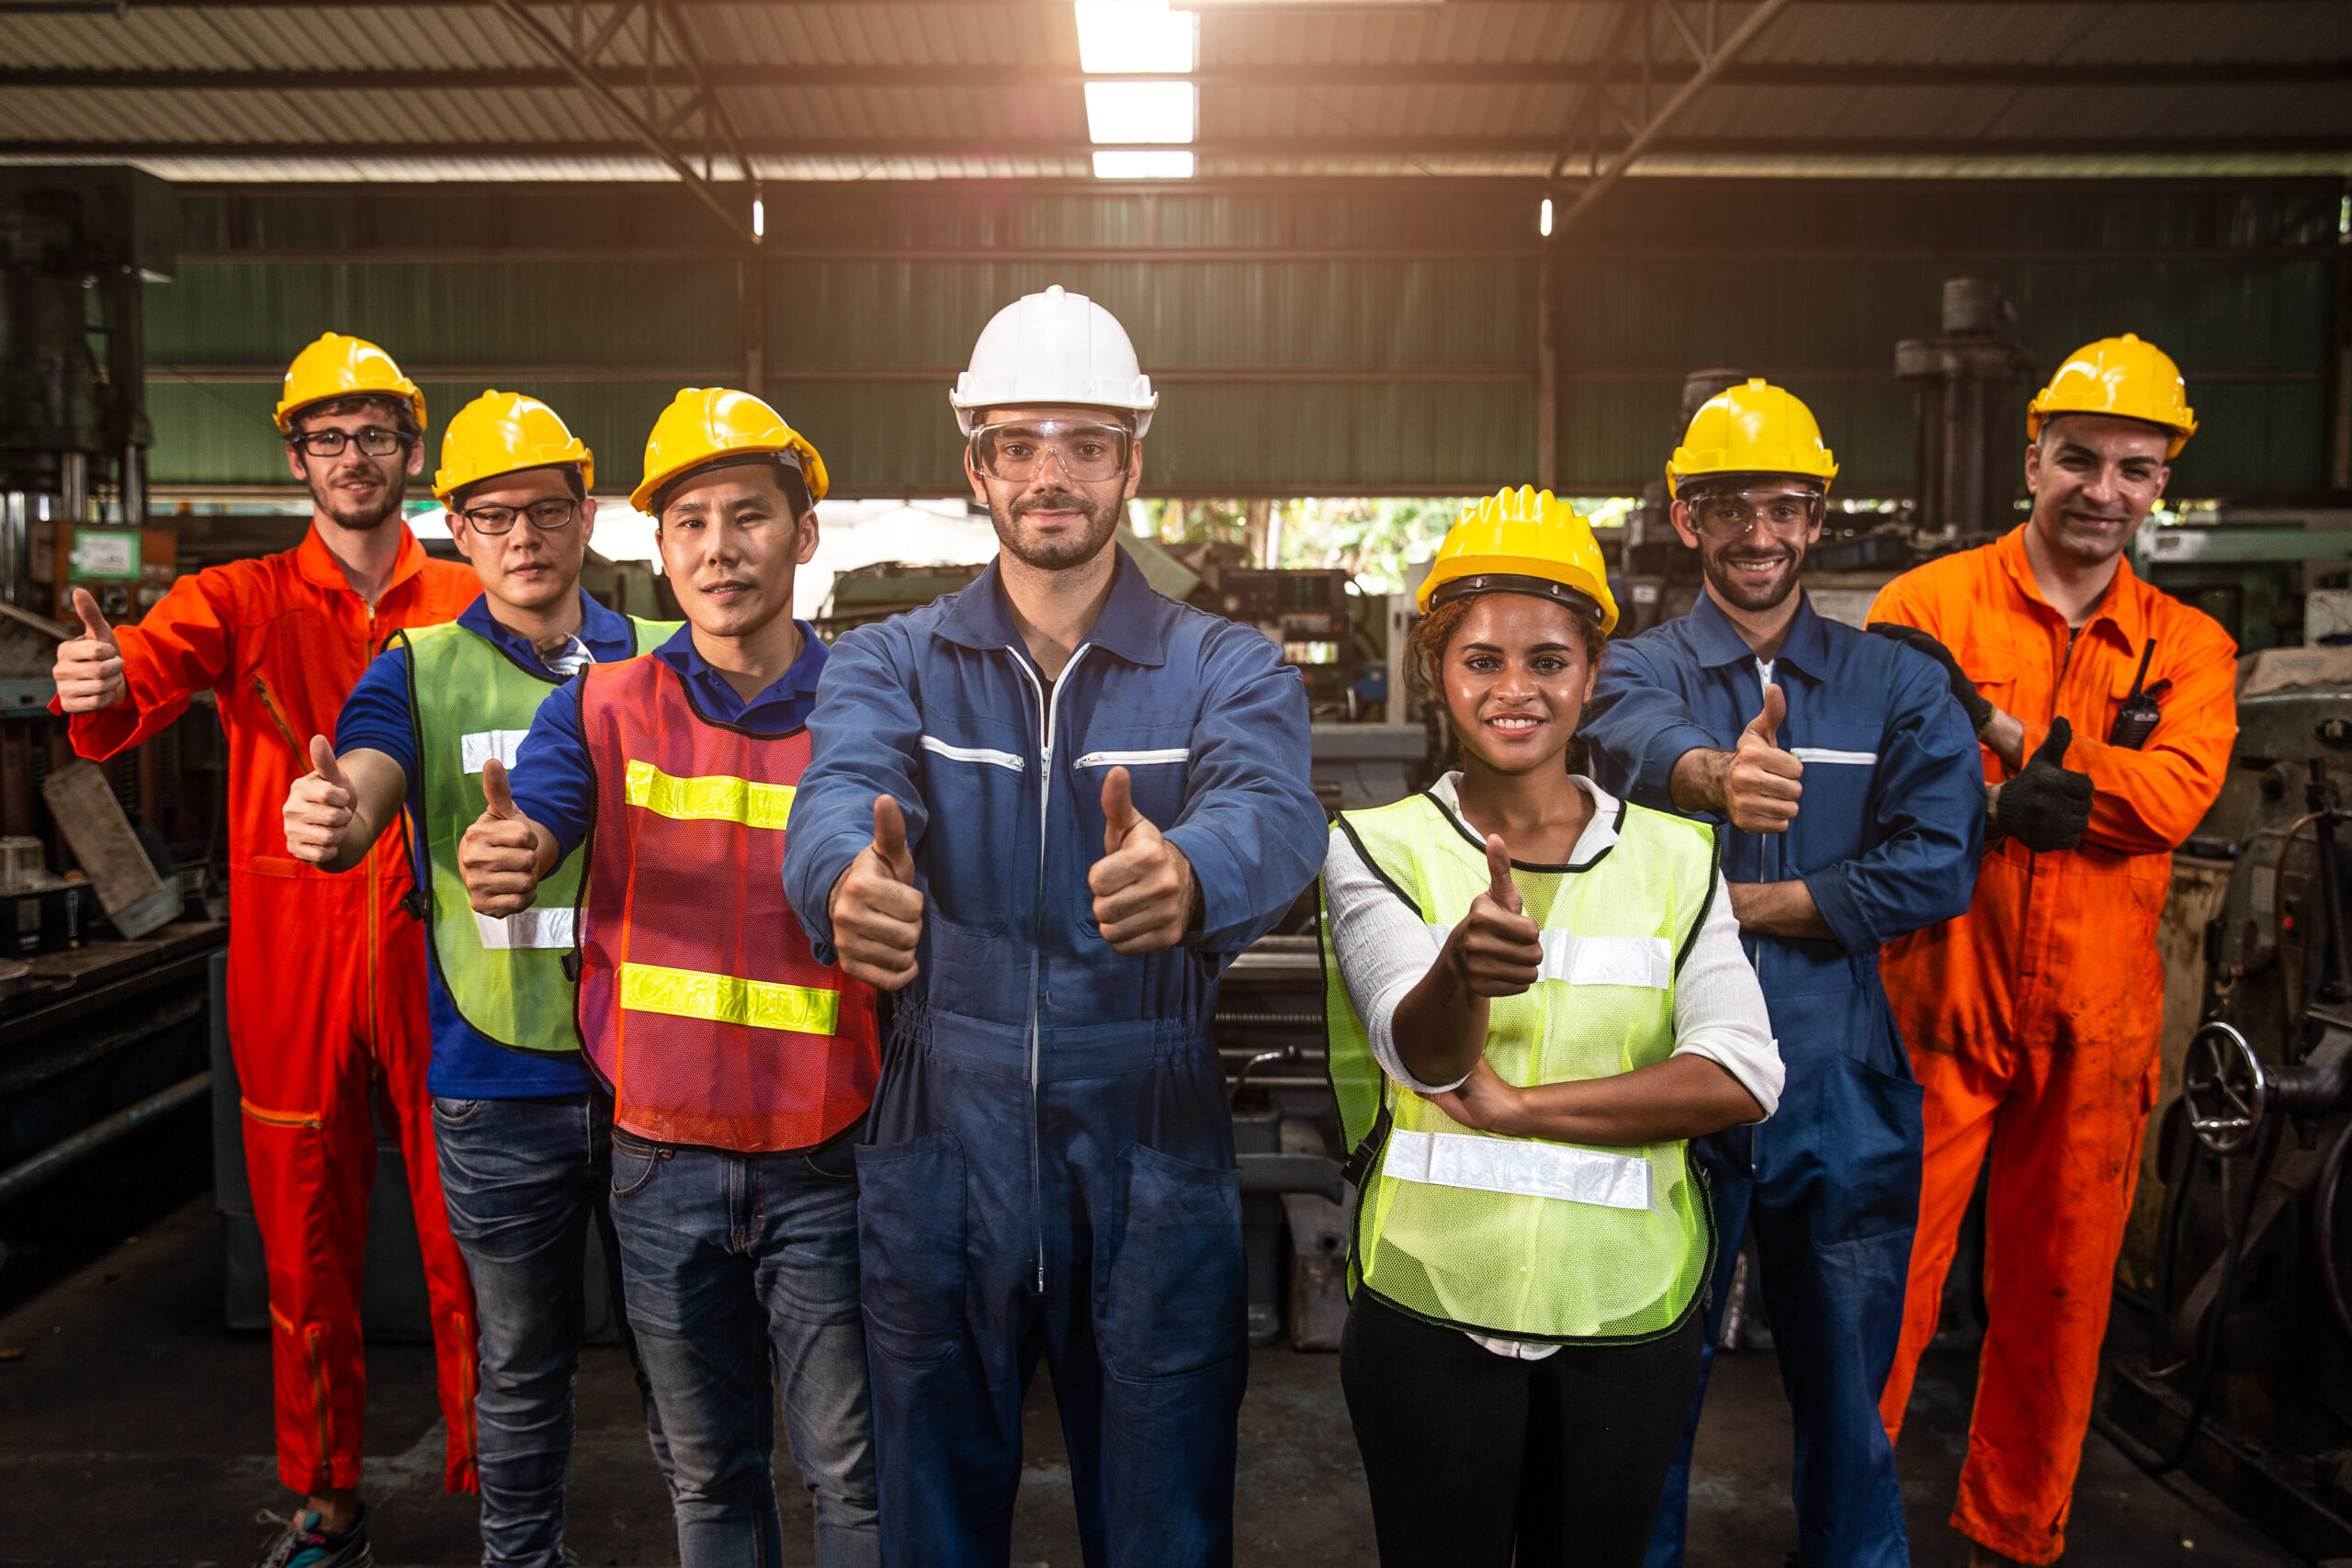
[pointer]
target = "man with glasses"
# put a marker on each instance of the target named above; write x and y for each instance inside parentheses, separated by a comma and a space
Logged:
(1843, 772)
(1046, 811)
(739, 1065)
(326, 973)
(524, 1136)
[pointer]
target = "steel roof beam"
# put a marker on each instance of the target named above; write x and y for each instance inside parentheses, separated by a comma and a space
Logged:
(1289, 78)
(1305, 146)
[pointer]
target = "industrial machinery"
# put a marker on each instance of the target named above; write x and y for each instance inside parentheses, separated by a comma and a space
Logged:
(2246, 1376)
(78, 247)
(1970, 382)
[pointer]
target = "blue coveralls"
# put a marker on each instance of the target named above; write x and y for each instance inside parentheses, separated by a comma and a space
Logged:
(1887, 835)
(1051, 1168)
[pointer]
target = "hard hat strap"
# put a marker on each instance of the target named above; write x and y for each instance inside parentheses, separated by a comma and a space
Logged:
(793, 478)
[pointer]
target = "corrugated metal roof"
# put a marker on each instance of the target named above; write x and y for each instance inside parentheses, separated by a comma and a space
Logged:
(2256, 86)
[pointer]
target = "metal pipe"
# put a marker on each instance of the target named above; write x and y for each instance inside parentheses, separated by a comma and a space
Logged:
(75, 468)
(23, 1177)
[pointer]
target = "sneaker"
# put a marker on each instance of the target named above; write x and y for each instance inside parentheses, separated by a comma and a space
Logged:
(300, 1543)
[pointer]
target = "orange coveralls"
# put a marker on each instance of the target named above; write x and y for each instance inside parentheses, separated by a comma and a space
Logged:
(327, 973)
(2032, 1019)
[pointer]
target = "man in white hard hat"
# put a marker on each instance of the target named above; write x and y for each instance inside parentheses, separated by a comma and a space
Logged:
(1045, 811)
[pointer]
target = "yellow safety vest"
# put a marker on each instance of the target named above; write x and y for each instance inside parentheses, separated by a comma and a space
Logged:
(1523, 1239)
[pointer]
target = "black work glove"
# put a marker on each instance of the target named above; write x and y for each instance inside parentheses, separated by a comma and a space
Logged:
(1980, 711)
(2047, 806)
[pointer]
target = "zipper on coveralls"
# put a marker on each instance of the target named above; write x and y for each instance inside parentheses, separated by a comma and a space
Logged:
(1047, 709)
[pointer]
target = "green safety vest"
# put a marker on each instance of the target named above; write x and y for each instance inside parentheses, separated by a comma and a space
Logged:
(1523, 1239)
(471, 702)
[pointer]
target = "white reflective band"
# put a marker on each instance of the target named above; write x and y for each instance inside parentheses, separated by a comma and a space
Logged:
(1644, 961)
(1132, 758)
(1520, 1165)
(532, 928)
(484, 744)
(1824, 754)
(972, 754)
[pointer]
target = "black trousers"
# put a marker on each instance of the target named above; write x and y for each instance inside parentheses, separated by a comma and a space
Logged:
(1470, 1454)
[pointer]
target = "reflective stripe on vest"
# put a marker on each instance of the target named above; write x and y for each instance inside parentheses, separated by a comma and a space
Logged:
(707, 799)
(701, 1006)
(723, 999)
(1526, 1238)
(471, 702)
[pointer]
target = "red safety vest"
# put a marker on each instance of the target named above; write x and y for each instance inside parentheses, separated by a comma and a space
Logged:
(700, 1005)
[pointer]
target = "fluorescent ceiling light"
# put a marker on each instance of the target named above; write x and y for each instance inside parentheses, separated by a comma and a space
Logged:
(1137, 166)
(1125, 37)
(1122, 112)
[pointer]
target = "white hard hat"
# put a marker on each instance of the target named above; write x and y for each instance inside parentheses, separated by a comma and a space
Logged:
(1053, 347)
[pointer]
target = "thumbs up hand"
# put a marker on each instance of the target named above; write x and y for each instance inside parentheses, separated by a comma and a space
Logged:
(876, 907)
(1496, 950)
(1144, 888)
(499, 856)
(1761, 786)
(318, 808)
(2047, 806)
(89, 668)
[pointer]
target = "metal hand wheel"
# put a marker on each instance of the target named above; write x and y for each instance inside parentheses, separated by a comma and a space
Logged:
(2227, 1091)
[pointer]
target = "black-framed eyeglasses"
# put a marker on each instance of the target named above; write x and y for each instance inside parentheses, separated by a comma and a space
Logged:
(547, 516)
(375, 441)
(1728, 514)
(1088, 451)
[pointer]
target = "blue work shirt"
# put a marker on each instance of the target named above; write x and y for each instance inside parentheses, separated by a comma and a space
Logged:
(467, 1065)
(552, 783)
(1891, 819)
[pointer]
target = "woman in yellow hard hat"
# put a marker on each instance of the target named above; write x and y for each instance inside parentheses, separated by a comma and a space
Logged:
(1531, 1243)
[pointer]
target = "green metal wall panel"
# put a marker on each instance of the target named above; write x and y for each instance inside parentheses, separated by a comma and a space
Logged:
(1417, 299)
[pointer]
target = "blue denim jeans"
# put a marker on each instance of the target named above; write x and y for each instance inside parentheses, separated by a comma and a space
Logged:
(524, 1180)
(742, 1285)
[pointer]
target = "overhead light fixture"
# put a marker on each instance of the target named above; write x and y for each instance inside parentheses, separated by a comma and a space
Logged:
(1543, 219)
(1133, 164)
(1139, 37)
(760, 217)
(1122, 112)
(1125, 37)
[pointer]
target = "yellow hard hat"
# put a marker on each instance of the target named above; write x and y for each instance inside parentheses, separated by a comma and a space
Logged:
(2117, 376)
(340, 367)
(505, 433)
(1523, 541)
(1755, 429)
(703, 423)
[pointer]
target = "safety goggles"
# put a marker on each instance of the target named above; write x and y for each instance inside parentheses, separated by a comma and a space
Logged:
(374, 441)
(1087, 451)
(547, 516)
(1729, 513)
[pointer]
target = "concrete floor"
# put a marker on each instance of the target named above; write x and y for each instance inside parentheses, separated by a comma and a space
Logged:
(133, 1429)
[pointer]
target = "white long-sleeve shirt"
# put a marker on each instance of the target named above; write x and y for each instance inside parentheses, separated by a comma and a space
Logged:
(1384, 947)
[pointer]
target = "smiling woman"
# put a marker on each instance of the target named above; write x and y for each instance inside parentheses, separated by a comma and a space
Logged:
(1530, 1242)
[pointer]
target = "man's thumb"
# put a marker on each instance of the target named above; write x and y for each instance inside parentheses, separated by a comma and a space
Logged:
(1504, 891)
(1119, 816)
(93, 624)
(2052, 748)
(890, 839)
(1766, 725)
(322, 760)
(495, 793)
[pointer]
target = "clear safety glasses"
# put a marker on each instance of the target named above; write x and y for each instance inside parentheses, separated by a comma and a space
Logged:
(374, 441)
(547, 516)
(1086, 451)
(1727, 514)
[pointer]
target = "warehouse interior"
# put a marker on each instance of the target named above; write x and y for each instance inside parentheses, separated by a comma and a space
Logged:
(1379, 256)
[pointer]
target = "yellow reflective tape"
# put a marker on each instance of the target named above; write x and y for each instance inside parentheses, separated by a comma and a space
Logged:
(723, 999)
(714, 798)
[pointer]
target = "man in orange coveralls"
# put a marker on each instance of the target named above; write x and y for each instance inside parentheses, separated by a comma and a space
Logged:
(2032, 1019)
(327, 973)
